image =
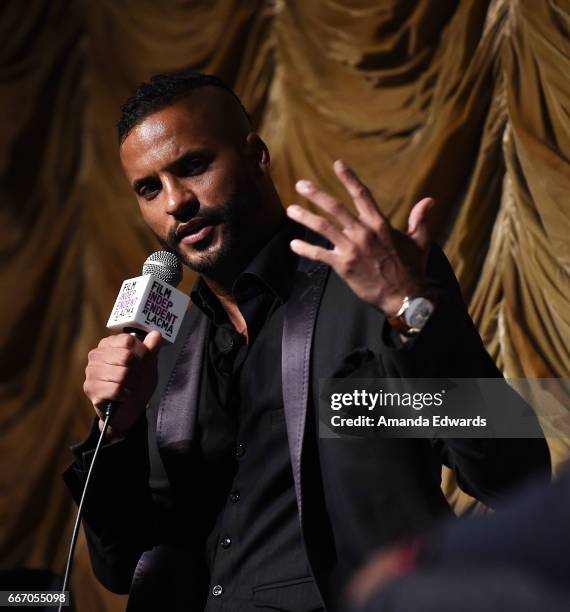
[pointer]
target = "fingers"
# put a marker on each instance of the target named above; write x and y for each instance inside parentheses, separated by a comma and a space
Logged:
(318, 224)
(379, 263)
(124, 349)
(311, 251)
(105, 384)
(106, 373)
(124, 341)
(360, 194)
(326, 202)
(417, 222)
(113, 356)
(117, 360)
(105, 392)
(369, 217)
(152, 341)
(122, 369)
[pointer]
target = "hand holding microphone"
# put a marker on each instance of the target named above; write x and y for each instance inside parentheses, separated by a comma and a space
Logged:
(121, 372)
(123, 367)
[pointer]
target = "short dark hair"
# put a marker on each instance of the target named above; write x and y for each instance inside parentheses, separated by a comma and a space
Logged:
(163, 90)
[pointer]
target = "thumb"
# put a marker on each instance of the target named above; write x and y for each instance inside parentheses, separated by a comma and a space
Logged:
(152, 341)
(417, 222)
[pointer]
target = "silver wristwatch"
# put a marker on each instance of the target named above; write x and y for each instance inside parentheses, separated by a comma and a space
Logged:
(412, 316)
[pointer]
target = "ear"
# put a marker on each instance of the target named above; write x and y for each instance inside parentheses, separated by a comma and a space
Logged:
(258, 153)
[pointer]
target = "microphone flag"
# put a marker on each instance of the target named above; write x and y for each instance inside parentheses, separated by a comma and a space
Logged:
(148, 303)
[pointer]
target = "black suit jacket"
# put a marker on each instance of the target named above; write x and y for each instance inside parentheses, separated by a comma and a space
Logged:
(352, 495)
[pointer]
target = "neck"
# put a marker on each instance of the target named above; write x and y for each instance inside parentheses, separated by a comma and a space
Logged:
(229, 304)
(221, 283)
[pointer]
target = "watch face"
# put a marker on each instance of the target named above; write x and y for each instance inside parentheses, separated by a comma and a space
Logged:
(418, 312)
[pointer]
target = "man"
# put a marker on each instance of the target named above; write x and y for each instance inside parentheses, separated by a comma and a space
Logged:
(220, 495)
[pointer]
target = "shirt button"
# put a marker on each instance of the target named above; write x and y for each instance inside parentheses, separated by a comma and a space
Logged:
(217, 590)
(226, 542)
(234, 497)
(240, 451)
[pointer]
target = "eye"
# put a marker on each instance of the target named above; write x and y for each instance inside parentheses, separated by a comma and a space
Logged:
(149, 190)
(193, 166)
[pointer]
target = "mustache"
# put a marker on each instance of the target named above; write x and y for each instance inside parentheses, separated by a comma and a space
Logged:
(208, 216)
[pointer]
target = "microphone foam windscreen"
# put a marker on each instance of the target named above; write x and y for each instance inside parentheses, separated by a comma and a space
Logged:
(164, 265)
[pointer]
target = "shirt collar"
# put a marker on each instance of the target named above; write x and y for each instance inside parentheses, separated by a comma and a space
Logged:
(273, 267)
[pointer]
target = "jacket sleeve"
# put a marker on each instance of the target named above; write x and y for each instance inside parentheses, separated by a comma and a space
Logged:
(449, 346)
(120, 516)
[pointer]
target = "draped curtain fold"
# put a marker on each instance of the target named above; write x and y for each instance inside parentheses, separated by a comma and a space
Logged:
(464, 100)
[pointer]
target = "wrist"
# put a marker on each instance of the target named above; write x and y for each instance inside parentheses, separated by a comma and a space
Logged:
(391, 304)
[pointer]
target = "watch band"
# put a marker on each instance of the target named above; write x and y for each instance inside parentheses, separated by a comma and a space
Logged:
(398, 322)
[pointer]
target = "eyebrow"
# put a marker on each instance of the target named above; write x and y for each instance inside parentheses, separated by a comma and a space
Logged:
(138, 183)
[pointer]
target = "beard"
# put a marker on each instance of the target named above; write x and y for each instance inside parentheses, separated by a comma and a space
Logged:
(233, 219)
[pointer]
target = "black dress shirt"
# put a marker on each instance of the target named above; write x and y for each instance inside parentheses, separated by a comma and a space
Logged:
(355, 497)
(254, 548)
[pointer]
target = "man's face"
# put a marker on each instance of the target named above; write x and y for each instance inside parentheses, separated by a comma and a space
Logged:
(194, 181)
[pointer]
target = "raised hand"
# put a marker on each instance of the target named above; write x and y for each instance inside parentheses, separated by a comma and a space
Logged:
(379, 263)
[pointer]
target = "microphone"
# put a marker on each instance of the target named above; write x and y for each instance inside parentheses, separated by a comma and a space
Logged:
(144, 303)
(151, 302)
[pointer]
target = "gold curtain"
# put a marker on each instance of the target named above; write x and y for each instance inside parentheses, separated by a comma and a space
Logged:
(464, 100)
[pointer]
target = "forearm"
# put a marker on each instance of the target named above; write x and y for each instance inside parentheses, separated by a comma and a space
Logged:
(450, 347)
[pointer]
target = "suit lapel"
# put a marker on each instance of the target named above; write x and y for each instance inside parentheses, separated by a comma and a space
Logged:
(298, 329)
(178, 408)
(179, 404)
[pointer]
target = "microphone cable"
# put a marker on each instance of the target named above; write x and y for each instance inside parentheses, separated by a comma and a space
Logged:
(109, 406)
(167, 268)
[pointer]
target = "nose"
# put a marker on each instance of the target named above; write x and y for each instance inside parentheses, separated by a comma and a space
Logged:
(181, 201)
